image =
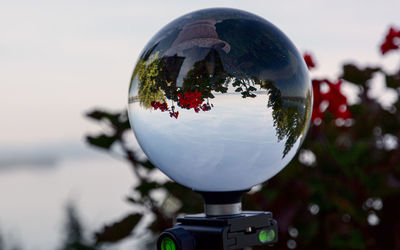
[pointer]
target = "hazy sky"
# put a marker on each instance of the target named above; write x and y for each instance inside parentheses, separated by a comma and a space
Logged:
(59, 59)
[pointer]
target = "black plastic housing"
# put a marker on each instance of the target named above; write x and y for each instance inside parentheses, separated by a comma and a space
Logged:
(224, 233)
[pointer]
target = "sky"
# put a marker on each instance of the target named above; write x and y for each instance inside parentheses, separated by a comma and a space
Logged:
(60, 59)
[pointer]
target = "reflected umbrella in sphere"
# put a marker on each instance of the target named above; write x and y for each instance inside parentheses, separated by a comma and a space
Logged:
(220, 100)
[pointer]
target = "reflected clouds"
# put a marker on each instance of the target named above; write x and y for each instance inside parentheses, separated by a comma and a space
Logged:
(220, 100)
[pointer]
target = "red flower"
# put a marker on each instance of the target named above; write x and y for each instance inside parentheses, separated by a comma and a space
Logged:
(174, 114)
(157, 105)
(335, 98)
(332, 100)
(205, 107)
(190, 100)
(389, 43)
(309, 61)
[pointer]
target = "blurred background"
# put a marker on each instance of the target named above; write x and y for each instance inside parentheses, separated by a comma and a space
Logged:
(60, 60)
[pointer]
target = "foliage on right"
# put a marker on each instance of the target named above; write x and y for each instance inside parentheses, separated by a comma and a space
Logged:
(343, 191)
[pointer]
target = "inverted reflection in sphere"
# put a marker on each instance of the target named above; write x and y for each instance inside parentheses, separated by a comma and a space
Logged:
(220, 100)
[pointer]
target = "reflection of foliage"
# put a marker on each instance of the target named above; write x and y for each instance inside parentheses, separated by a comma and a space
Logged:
(344, 190)
(158, 83)
(148, 75)
(245, 86)
(287, 118)
(207, 75)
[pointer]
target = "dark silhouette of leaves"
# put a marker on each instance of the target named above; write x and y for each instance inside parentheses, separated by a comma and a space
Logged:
(118, 120)
(101, 141)
(356, 75)
(192, 201)
(148, 165)
(393, 81)
(118, 230)
(74, 232)
(146, 187)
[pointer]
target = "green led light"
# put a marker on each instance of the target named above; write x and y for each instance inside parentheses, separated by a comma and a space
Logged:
(266, 235)
(167, 244)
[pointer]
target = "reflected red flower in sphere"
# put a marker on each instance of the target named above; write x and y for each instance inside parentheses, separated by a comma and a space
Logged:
(205, 107)
(187, 100)
(190, 100)
(157, 105)
(174, 114)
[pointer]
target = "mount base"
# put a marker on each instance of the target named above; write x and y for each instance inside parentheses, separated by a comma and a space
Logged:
(201, 232)
(222, 203)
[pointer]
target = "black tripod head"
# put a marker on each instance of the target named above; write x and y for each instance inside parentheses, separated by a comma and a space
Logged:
(223, 226)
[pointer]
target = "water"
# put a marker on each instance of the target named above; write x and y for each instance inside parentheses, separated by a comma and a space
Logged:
(33, 200)
(233, 146)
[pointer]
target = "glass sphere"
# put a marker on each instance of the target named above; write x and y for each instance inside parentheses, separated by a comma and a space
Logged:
(220, 100)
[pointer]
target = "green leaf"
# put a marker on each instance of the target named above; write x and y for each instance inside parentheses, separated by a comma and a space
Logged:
(146, 187)
(132, 199)
(98, 115)
(101, 141)
(192, 201)
(251, 88)
(147, 164)
(354, 240)
(352, 73)
(236, 83)
(119, 120)
(393, 81)
(118, 230)
(239, 89)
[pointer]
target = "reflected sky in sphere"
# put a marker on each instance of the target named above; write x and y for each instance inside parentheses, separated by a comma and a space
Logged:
(220, 100)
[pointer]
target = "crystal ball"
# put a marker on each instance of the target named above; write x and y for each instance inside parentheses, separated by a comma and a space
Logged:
(220, 100)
